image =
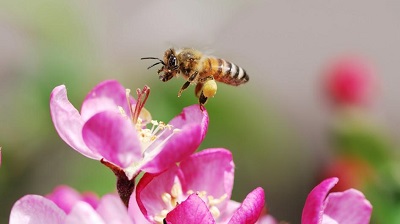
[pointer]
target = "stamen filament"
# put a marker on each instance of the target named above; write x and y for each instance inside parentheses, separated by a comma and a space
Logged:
(142, 96)
(159, 144)
(127, 92)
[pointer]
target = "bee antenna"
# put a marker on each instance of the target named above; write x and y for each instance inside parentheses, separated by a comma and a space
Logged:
(160, 61)
(155, 64)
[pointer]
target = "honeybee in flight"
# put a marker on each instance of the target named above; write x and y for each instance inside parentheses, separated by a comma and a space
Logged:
(202, 70)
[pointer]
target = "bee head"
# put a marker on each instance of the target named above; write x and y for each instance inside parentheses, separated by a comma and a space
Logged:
(170, 65)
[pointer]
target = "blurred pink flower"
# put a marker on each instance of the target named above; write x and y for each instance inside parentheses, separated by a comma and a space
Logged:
(351, 81)
(38, 209)
(111, 127)
(267, 219)
(66, 197)
(208, 175)
(352, 171)
(322, 207)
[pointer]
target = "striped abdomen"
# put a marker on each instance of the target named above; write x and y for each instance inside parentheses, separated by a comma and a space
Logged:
(226, 72)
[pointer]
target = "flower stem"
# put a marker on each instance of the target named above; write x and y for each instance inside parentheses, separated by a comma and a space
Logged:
(125, 186)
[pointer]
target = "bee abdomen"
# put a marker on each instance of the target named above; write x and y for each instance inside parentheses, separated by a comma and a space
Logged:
(230, 73)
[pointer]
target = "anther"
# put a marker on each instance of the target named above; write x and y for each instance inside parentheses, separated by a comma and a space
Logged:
(166, 198)
(176, 190)
(215, 211)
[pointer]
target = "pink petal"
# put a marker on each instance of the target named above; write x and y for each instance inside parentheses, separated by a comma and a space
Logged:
(83, 213)
(192, 210)
(250, 210)
(267, 219)
(134, 211)
(68, 122)
(113, 137)
(348, 207)
(36, 209)
(229, 210)
(314, 206)
(179, 146)
(149, 191)
(107, 95)
(211, 170)
(90, 198)
(112, 210)
(64, 197)
(192, 114)
(193, 124)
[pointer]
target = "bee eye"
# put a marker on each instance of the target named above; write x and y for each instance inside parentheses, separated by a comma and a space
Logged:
(172, 61)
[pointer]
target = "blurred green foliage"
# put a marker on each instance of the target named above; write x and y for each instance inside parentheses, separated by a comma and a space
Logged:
(356, 136)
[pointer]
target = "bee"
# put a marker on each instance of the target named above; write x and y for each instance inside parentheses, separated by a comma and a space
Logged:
(199, 69)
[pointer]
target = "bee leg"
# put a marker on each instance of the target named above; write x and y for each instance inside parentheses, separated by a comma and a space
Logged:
(183, 88)
(198, 89)
(186, 84)
(199, 94)
(205, 79)
(205, 90)
(202, 100)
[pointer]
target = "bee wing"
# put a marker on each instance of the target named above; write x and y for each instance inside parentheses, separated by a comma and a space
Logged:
(208, 51)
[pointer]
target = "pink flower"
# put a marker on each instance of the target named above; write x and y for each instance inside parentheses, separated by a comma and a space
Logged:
(352, 171)
(349, 206)
(198, 189)
(38, 209)
(112, 127)
(66, 197)
(351, 81)
(267, 219)
(195, 210)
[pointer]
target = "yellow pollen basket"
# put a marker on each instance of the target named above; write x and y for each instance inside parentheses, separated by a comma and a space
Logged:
(210, 88)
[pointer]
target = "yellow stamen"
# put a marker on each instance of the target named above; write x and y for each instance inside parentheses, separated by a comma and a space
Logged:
(171, 201)
(166, 198)
(214, 212)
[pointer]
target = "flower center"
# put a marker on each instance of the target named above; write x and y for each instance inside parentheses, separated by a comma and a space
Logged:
(210, 201)
(173, 198)
(171, 201)
(141, 119)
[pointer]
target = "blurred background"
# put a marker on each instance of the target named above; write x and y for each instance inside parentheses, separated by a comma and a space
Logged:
(323, 96)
